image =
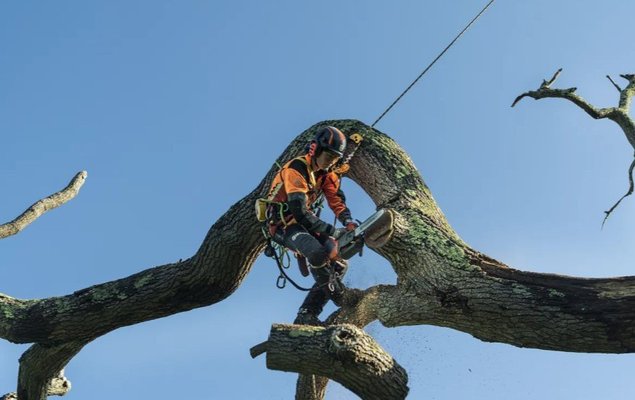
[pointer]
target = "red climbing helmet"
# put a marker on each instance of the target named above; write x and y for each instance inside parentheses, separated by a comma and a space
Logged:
(331, 140)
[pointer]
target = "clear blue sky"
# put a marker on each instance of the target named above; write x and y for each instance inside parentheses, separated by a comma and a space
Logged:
(177, 109)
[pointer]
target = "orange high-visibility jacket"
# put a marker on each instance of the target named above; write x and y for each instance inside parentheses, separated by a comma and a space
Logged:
(298, 186)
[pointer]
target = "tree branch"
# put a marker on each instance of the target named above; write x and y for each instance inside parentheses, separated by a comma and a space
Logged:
(545, 91)
(57, 386)
(628, 193)
(546, 84)
(619, 89)
(619, 115)
(41, 370)
(358, 308)
(259, 349)
(343, 353)
(40, 207)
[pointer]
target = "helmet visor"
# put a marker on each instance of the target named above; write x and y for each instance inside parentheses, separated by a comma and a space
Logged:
(331, 155)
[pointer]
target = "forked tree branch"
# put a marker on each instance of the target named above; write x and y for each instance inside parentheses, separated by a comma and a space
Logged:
(441, 280)
(545, 91)
(40, 207)
(619, 114)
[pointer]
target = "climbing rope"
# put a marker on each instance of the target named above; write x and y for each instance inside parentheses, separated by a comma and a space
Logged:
(279, 252)
(432, 63)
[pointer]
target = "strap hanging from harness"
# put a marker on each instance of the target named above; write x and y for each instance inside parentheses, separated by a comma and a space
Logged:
(283, 277)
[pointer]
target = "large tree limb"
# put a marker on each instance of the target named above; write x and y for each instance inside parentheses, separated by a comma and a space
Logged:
(441, 280)
(619, 114)
(343, 353)
(213, 273)
(40, 207)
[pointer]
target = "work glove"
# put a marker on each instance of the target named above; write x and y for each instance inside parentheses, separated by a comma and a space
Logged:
(350, 225)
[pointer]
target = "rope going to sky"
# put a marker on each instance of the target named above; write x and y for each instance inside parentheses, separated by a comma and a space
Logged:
(432, 63)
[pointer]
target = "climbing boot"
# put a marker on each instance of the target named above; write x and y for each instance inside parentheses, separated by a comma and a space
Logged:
(307, 317)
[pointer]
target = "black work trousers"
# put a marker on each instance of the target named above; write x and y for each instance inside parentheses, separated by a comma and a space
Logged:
(297, 238)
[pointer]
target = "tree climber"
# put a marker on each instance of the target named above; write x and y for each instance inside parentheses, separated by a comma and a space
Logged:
(296, 192)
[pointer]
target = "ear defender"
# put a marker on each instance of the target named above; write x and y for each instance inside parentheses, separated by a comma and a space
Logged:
(312, 148)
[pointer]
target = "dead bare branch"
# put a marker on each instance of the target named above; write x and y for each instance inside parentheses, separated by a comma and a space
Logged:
(547, 84)
(619, 115)
(259, 349)
(628, 193)
(619, 89)
(40, 207)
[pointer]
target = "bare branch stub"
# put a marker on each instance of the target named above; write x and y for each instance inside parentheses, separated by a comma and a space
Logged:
(259, 349)
(40, 207)
(546, 84)
(619, 89)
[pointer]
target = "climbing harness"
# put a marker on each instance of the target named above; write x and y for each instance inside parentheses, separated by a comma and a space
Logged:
(280, 253)
(432, 63)
(264, 206)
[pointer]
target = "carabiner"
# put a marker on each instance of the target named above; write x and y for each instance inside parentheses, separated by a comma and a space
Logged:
(281, 282)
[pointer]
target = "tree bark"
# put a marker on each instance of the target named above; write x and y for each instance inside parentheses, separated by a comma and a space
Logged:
(41, 370)
(343, 353)
(441, 280)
